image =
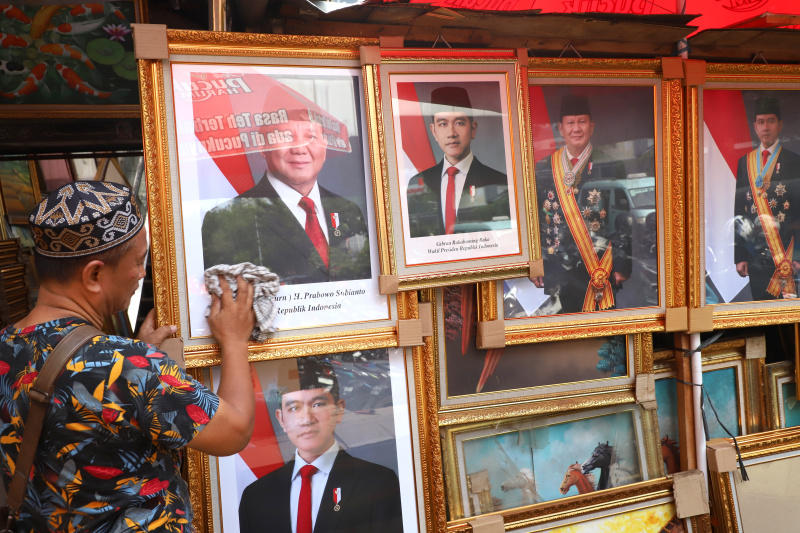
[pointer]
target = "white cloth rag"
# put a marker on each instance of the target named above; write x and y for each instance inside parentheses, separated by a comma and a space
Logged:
(265, 287)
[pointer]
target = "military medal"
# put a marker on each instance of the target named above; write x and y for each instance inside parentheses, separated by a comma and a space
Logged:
(335, 224)
(569, 178)
(472, 194)
(778, 168)
(337, 497)
(590, 168)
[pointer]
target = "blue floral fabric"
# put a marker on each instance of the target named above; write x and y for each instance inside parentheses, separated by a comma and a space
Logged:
(109, 457)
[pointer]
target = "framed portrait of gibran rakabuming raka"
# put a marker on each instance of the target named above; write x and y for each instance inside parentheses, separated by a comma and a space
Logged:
(67, 60)
(605, 136)
(456, 188)
(746, 263)
(235, 127)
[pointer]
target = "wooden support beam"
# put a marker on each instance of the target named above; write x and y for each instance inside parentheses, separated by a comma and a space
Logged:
(686, 432)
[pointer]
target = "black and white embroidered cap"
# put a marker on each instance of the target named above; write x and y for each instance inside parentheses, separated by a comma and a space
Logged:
(84, 218)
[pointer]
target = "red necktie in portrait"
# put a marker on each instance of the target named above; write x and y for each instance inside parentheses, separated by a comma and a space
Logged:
(764, 158)
(450, 204)
(304, 522)
(574, 161)
(313, 229)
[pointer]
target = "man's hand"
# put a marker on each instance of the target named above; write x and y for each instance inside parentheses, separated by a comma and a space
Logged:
(619, 278)
(741, 268)
(232, 320)
(795, 267)
(148, 332)
(538, 282)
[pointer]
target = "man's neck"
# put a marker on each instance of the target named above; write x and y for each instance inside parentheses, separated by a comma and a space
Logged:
(459, 160)
(53, 304)
(579, 151)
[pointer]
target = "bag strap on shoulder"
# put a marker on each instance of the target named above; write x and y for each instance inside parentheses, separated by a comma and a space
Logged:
(40, 394)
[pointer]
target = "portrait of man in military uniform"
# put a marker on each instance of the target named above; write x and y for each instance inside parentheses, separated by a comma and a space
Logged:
(766, 230)
(587, 257)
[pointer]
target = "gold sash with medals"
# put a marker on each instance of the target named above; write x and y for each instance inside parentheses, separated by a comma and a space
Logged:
(783, 279)
(599, 294)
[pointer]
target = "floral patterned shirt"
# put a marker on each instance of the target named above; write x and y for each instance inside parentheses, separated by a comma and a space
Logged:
(108, 460)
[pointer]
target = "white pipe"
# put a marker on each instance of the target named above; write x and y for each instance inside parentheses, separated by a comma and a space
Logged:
(699, 432)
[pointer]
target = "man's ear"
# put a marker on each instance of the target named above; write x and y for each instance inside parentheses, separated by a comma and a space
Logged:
(340, 405)
(279, 416)
(91, 274)
(433, 129)
(474, 128)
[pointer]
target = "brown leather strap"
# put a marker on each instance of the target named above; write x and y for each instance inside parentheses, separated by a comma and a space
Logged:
(40, 394)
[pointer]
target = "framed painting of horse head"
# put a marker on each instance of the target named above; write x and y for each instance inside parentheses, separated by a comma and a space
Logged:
(525, 461)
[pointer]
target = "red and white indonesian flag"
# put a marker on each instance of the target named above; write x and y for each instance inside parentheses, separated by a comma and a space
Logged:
(239, 114)
(414, 146)
(726, 132)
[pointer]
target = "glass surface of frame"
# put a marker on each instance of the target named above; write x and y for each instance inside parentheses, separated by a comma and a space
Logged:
(603, 137)
(472, 377)
(491, 466)
(746, 265)
(69, 60)
(250, 133)
(454, 128)
(366, 414)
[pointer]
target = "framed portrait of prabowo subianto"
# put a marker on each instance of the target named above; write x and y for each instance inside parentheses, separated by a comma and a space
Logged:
(732, 396)
(454, 201)
(747, 263)
(257, 151)
(358, 419)
(473, 378)
(606, 140)
(761, 502)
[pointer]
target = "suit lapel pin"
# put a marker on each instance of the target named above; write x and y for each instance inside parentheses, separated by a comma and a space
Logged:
(337, 497)
(590, 168)
(472, 194)
(335, 224)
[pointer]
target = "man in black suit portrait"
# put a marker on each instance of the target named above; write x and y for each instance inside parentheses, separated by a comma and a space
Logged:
(287, 222)
(459, 194)
(765, 210)
(323, 489)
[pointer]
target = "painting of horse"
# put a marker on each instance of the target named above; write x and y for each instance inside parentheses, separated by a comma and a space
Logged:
(671, 454)
(575, 476)
(600, 458)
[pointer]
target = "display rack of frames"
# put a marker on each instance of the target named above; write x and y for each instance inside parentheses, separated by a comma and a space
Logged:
(218, 110)
(541, 435)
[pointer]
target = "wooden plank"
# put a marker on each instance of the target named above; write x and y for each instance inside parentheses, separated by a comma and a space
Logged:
(686, 432)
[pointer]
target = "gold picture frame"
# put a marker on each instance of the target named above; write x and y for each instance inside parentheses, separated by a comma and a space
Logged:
(19, 187)
(720, 221)
(780, 395)
(469, 378)
(648, 504)
(491, 236)
(771, 460)
(516, 463)
(625, 192)
(172, 175)
(376, 428)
